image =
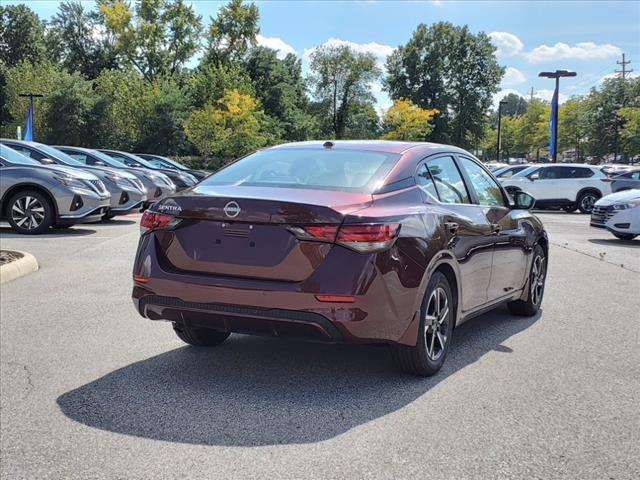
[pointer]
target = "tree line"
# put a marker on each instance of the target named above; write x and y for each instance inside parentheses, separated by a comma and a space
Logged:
(152, 75)
(603, 123)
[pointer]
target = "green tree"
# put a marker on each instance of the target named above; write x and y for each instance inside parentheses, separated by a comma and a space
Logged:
(342, 79)
(232, 33)
(42, 77)
(157, 37)
(280, 87)
(572, 126)
(406, 121)
(630, 132)
(22, 35)
(122, 108)
(516, 105)
(209, 82)
(81, 41)
(69, 113)
(230, 128)
(449, 69)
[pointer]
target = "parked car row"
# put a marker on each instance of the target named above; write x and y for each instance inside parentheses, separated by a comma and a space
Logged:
(42, 186)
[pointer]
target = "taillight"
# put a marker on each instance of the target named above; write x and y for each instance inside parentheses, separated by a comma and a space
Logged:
(368, 238)
(360, 237)
(156, 221)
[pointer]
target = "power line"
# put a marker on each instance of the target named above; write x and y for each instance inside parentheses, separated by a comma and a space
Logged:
(624, 70)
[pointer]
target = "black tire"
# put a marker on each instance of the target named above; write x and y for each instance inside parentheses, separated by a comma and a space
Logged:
(424, 359)
(586, 201)
(38, 216)
(570, 208)
(108, 216)
(200, 337)
(624, 236)
(537, 279)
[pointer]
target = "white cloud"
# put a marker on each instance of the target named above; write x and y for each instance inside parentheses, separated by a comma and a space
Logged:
(380, 51)
(547, 95)
(617, 75)
(277, 44)
(581, 51)
(512, 77)
(507, 43)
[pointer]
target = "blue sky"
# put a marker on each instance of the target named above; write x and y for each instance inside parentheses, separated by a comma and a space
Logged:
(585, 36)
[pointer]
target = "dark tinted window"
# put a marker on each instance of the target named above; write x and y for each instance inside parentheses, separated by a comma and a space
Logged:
(487, 190)
(81, 157)
(27, 152)
(424, 180)
(579, 172)
(448, 181)
(553, 173)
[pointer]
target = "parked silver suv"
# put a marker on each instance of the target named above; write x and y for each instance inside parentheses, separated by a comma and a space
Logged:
(34, 197)
(126, 194)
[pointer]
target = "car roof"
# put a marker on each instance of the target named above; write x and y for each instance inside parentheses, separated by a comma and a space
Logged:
(387, 146)
(582, 165)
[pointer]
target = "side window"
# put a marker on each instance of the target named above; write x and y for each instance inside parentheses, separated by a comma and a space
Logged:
(636, 175)
(581, 172)
(27, 152)
(424, 181)
(448, 181)
(81, 157)
(552, 173)
(487, 190)
(124, 160)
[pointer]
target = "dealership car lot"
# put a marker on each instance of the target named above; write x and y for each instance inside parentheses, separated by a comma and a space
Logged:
(90, 390)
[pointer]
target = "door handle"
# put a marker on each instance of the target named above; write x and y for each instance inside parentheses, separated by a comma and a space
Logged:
(495, 228)
(452, 227)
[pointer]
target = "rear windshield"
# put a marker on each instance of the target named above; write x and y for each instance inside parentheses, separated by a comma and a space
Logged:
(345, 170)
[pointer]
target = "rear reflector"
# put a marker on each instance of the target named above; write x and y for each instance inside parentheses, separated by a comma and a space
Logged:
(140, 278)
(336, 298)
(156, 221)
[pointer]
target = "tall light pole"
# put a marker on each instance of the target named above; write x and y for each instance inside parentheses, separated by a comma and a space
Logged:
(499, 144)
(554, 108)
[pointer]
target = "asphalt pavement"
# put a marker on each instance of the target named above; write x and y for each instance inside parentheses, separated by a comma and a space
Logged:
(88, 389)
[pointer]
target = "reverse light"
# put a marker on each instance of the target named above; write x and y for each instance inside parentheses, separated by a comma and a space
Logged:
(156, 221)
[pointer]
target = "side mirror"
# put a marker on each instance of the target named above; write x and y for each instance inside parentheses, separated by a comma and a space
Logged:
(47, 161)
(522, 201)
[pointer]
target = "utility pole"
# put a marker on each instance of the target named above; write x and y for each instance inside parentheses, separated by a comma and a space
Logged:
(554, 108)
(531, 98)
(624, 70)
(31, 96)
(499, 143)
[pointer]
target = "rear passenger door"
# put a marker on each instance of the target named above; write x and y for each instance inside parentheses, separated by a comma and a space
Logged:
(471, 237)
(509, 262)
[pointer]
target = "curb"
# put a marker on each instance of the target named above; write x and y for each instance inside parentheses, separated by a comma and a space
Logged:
(18, 268)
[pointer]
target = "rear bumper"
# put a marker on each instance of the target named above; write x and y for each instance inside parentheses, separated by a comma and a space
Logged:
(386, 298)
(240, 319)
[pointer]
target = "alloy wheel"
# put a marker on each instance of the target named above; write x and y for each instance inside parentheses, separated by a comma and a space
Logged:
(27, 212)
(436, 323)
(538, 272)
(588, 201)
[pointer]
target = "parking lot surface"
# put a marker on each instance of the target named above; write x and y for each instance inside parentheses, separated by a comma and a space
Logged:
(91, 390)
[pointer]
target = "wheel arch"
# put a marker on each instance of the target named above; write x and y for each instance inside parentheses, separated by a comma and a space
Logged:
(587, 190)
(446, 263)
(26, 186)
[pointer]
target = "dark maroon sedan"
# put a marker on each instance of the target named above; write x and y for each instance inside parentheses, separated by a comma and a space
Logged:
(376, 242)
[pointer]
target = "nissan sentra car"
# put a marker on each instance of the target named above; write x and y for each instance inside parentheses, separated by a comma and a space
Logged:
(362, 242)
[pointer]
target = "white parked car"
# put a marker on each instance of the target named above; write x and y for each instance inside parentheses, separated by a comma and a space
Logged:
(570, 186)
(619, 213)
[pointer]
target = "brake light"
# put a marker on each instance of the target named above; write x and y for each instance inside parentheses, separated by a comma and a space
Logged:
(156, 221)
(140, 278)
(369, 237)
(360, 237)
